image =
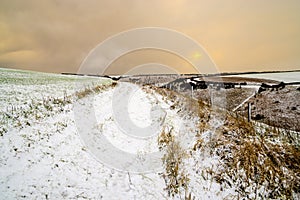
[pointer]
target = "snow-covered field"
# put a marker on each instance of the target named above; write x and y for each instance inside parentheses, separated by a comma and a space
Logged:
(66, 137)
(47, 157)
(283, 76)
(20, 87)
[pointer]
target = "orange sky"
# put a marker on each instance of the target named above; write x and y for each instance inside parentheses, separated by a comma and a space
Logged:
(56, 35)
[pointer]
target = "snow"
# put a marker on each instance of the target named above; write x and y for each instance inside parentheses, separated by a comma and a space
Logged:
(101, 146)
(22, 87)
(282, 76)
(48, 160)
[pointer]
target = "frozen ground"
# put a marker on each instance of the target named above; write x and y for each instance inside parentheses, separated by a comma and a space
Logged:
(48, 160)
(46, 157)
(21, 87)
(52, 146)
(286, 77)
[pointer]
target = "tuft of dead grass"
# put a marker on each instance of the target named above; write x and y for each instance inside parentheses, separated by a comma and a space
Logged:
(261, 162)
(95, 89)
(255, 164)
(176, 179)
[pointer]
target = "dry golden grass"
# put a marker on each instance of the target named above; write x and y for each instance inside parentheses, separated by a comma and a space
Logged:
(176, 179)
(186, 105)
(253, 162)
(95, 89)
(256, 159)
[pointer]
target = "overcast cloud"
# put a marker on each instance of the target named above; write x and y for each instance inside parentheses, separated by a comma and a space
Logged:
(56, 35)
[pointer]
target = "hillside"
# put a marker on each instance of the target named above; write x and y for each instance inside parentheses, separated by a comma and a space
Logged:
(53, 129)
